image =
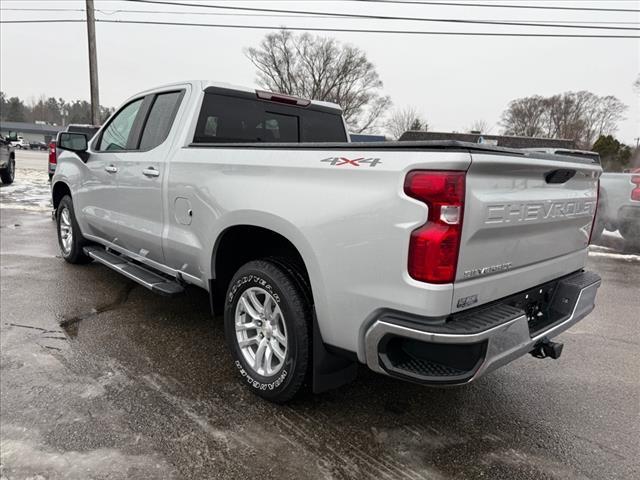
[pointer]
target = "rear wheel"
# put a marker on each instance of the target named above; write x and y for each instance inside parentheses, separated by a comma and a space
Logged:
(70, 239)
(8, 174)
(267, 325)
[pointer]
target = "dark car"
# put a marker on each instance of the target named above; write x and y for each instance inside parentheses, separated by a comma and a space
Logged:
(7, 161)
(38, 146)
(88, 130)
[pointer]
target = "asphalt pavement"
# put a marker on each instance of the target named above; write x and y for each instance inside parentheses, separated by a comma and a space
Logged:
(100, 378)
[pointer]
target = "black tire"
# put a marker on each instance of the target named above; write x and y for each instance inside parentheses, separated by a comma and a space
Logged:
(8, 174)
(74, 254)
(289, 296)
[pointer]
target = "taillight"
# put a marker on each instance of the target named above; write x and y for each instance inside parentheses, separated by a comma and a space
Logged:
(433, 249)
(52, 153)
(635, 193)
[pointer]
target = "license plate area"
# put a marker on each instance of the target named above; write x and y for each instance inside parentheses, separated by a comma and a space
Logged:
(537, 304)
(553, 302)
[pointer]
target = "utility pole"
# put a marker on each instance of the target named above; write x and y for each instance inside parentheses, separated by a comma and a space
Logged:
(93, 63)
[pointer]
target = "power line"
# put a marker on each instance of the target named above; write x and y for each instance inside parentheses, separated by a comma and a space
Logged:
(265, 15)
(175, 12)
(54, 20)
(42, 9)
(490, 5)
(377, 17)
(328, 29)
(364, 30)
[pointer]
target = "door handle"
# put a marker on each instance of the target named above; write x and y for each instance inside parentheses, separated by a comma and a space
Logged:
(150, 172)
(111, 168)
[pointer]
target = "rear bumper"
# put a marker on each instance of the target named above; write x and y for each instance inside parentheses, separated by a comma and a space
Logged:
(463, 347)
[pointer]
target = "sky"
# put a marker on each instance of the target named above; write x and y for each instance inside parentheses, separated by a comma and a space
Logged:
(451, 80)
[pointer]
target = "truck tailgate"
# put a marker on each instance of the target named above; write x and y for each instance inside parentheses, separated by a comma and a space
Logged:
(525, 218)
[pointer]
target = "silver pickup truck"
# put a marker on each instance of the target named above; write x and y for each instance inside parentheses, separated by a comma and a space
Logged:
(434, 262)
(619, 206)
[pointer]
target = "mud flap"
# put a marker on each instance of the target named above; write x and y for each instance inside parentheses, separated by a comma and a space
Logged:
(329, 370)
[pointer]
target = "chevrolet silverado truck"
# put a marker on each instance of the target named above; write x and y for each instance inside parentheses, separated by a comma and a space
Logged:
(433, 262)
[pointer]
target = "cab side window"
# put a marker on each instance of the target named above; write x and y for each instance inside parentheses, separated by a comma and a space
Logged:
(116, 135)
(160, 119)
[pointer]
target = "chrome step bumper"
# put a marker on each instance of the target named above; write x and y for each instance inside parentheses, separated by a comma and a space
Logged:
(477, 341)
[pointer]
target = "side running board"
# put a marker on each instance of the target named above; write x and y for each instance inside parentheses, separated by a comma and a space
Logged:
(148, 279)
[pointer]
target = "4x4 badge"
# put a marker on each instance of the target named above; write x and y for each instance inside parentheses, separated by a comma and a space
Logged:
(356, 162)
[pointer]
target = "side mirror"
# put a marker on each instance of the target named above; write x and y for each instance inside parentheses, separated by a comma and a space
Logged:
(73, 142)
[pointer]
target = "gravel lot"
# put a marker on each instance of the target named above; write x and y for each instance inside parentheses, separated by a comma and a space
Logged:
(100, 378)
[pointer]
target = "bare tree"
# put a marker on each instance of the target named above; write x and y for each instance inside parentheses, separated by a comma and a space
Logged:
(481, 126)
(636, 84)
(322, 69)
(404, 119)
(525, 116)
(580, 116)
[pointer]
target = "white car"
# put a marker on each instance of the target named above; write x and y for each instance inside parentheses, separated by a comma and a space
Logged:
(21, 144)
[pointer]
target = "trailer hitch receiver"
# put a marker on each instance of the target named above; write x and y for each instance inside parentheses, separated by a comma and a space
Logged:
(546, 348)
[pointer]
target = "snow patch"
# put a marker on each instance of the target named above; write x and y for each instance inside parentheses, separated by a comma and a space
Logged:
(617, 256)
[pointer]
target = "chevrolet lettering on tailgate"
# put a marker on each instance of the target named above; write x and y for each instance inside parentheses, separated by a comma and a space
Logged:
(539, 211)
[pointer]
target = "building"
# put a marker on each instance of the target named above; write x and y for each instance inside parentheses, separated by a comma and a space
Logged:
(508, 141)
(31, 132)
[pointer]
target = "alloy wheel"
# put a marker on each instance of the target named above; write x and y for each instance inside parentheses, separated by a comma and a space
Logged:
(261, 332)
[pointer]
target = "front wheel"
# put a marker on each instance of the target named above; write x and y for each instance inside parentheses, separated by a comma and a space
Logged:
(267, 322)
(70, 239)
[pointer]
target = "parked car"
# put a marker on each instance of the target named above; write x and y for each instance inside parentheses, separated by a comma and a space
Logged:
(38, 146)
(20, 143)
(434, 262)
(618, 202)
(88, 130)
(7, 161)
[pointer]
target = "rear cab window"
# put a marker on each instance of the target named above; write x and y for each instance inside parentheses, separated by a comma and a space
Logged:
(160, 119)
(243, 118)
